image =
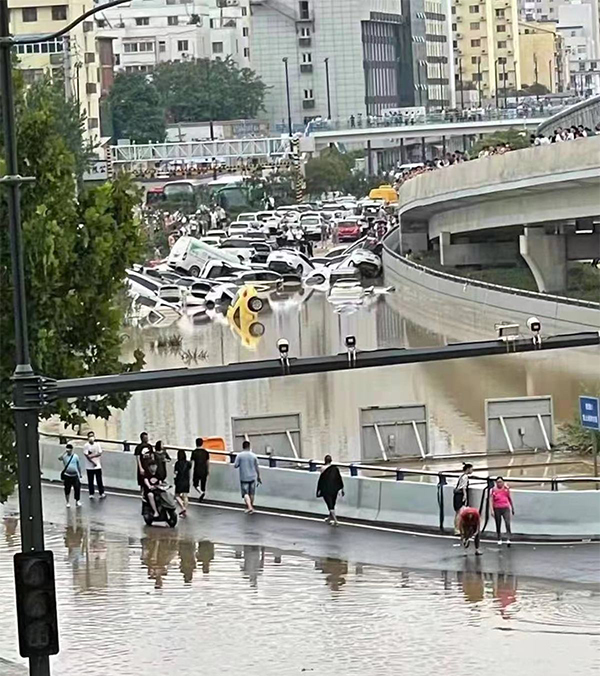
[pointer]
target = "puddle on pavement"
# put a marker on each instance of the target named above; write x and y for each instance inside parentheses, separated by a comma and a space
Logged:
(169, 604)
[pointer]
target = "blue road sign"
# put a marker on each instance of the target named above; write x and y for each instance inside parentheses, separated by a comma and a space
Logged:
(589, 412)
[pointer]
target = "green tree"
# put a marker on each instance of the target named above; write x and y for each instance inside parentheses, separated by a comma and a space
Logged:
(204, 89)
(513, 137)
(137, 110)
(77, 245)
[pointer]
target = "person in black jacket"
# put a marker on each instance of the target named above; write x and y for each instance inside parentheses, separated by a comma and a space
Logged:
(329, 485)
(200, 458)
(182, 472)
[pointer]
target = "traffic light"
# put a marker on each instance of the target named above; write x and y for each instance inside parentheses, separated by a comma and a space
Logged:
(36, 604)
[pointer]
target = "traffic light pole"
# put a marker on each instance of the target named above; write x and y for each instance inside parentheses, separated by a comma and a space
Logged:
(25, 414)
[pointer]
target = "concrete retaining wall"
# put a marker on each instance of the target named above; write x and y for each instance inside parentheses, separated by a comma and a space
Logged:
(468, 299)
(564, 514)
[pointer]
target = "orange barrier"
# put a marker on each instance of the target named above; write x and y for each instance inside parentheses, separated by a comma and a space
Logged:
(215, 444)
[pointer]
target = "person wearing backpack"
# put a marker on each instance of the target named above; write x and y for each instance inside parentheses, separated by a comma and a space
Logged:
(71, 475)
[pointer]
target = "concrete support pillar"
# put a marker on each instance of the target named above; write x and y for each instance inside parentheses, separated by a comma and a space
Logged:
(402, 152)
(546, 256)
(369, 160)
(423, 149)
(443, 146)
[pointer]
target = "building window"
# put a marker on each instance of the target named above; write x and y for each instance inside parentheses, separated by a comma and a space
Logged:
(182, 45)
(29, 14)
(305, 32)
(474, 60)
(92, 123)
(454, 27)
(501, 44)
(129, 47)
(303, 8)
(308, 93)
(474, 25)
(172, 20)
(501, 29)
(502, 59)
(89, 57)
(244, 11)
(142, 21)
(31, 75)
(476, 77)
(90, 87)
(162, 46)
(476, 43)
(500, 13)
(474, 9)
(453, 10)
(247, 52)
(101, 23)
(217, 47)
(306, 57)
(59, 13)
(245, 31)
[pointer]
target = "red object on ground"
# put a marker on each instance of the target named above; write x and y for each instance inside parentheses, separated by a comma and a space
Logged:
(348, 231)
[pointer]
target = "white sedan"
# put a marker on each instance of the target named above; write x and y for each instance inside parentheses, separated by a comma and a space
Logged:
(286, 261)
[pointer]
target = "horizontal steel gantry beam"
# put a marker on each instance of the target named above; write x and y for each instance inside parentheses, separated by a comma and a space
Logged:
(152, 380)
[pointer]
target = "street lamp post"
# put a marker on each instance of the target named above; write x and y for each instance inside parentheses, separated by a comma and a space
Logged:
(287, 92)
(496, 80)
(210, 100)
(30, 392)
(479, 79)
(460, 81)
(328, 88)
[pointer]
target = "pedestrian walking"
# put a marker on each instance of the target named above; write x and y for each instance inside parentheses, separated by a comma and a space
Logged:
(145, 455)
(247, 464)
(92, 452)
(182, 471)
(469, 522)
(71, 475)
(201, 460)
(461, 492)
(161, 457)
(503, 508)
(329, 486)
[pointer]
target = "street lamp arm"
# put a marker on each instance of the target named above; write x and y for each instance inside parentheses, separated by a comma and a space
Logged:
(51, 36)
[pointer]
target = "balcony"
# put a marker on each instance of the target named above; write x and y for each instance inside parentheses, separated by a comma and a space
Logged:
(306, 68)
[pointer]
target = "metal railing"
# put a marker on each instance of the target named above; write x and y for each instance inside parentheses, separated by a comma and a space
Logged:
(477, 115)
(352, 468)
(466, 281)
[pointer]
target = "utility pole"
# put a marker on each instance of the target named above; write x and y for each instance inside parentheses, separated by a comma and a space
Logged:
(460, 81)
(287, 93)
(328, 88)
(479, 79)
(25, 411)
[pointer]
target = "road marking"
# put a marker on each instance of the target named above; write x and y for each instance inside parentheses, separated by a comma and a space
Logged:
(384, 529)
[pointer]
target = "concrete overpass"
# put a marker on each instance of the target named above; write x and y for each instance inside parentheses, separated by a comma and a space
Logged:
(542, 203)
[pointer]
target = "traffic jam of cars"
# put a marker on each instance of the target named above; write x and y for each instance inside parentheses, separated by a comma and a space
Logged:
(273, 259)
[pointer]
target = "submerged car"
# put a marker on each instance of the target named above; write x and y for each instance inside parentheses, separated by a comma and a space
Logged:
(242, 315)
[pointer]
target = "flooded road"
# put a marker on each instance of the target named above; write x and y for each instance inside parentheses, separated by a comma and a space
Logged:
(329, 404)
(293, 598)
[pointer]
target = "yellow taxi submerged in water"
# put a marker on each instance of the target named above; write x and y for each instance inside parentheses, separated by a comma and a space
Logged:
(242, 315)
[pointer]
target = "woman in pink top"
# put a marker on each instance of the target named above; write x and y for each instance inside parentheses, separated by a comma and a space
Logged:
(502, 506)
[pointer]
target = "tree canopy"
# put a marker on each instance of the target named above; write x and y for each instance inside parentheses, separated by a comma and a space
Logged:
(77, 244)
(183, 91)
(137, 110)
(334, 171)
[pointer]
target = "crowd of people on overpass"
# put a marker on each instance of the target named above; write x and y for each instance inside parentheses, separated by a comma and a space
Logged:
(559, 135)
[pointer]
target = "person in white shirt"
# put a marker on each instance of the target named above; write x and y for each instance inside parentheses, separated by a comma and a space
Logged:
(92, 452)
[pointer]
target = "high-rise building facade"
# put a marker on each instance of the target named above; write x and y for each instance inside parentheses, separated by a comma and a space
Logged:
(543, 56)
(74, 56)
(346, 58)
(486, 49)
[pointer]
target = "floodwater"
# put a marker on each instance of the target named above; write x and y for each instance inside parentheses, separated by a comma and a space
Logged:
(162, 602)
(454, 391)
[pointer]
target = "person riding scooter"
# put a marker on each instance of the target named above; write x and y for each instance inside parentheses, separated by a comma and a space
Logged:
(158, 504)
(151, 488)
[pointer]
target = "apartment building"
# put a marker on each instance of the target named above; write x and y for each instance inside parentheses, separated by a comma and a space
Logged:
(75, 55)
(543, 56)
(486, 49)
(149, 32)
(350, 59)
(578, 25)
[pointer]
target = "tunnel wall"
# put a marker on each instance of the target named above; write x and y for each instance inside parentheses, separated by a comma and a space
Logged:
(562, 514)
(472, 303)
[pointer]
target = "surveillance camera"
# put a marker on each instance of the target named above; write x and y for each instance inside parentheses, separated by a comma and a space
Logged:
(534, 324)
(350, 342)
(283, 346)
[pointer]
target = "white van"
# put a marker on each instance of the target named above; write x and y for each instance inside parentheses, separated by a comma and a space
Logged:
(191, 255)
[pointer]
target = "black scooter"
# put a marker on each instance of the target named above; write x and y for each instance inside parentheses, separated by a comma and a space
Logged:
(166, 506)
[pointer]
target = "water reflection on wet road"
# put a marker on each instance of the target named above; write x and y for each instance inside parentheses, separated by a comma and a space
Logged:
(454, 391)
(177, 603)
